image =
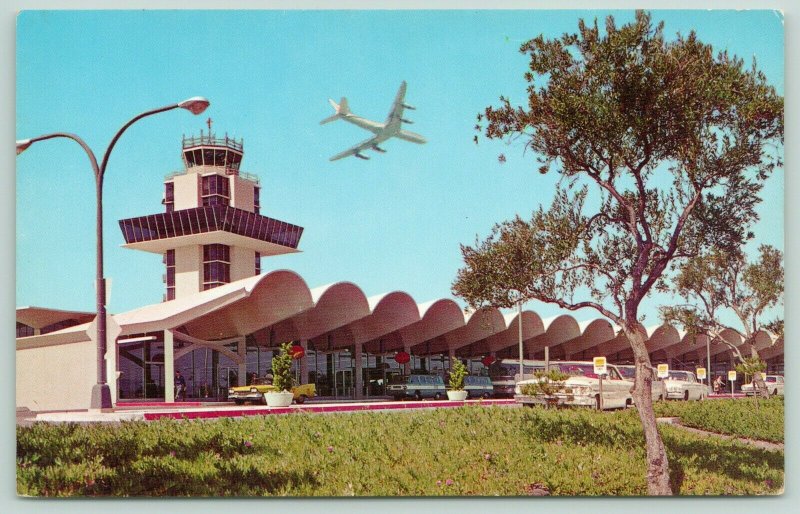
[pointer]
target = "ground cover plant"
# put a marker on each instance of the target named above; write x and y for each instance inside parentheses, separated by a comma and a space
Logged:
(754, 419)
(490, 451)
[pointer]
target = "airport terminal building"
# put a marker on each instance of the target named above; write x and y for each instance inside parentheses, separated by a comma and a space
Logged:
(222, 318)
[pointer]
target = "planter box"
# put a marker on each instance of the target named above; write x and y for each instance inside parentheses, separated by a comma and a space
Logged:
(457, 396)
(282, 399)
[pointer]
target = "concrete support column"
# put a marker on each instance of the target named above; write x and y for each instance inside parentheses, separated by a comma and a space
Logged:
(359, 379)
(241, 347)
(407, 365)
(451, 356)
(304, 362)
(169, 367)
(37, 331)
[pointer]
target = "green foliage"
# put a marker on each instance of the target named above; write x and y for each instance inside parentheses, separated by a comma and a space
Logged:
(491, 451)
(750, 366)
(282, 368)
(732, 417)
(547, 383)
(457, 374)
(626, 111)
(719, 280)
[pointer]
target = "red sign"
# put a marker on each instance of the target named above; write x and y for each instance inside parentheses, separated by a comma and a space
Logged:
(298, 352)
(402, 357)
(488, 360)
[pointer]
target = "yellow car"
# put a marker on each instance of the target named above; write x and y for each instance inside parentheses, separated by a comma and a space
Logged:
(255, 392)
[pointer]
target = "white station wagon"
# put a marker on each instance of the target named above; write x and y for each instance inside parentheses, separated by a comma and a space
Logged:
(774, 386)
(683, 385)
(582, 388)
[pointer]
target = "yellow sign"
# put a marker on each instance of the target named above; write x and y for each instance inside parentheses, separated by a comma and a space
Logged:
(701, 373)
(600, 366)
(663, 370)
(731, 376)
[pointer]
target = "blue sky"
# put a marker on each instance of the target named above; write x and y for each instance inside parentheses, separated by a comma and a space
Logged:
(394, 222)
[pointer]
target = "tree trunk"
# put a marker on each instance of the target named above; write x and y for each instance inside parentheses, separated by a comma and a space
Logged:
(759, 386)
(658, 483)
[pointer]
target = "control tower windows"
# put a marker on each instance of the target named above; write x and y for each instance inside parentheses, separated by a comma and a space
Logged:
(169, 259)
(169, 196)
(216, 265)
(257, 200)
(215, 190)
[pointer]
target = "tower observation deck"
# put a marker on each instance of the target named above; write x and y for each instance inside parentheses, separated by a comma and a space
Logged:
(212, 231)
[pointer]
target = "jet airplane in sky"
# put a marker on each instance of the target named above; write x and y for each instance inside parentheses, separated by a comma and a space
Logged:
(392, 127)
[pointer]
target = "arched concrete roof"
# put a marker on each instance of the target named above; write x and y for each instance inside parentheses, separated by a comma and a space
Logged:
(335, 305)
(532, 326)
(592, 334)
(278, 306)
(389, 312)
(274, 297)
(40, 317)
(437, 317)
(479, 325)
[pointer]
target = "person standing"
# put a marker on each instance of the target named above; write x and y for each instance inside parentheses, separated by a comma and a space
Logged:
(180, 386)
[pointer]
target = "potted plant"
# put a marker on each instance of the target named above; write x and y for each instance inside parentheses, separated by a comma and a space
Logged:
(282, 378)
(456, 383)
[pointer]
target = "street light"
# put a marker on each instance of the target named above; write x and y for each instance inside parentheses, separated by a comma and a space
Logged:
(101, 394)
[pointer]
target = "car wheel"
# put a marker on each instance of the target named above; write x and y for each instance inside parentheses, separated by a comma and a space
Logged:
(774, 392)
(437, 396)
(628, 403)
(418, 396)
(597, 401)
(238, 402)
(661, 397)
(301, 399)
(686, 395)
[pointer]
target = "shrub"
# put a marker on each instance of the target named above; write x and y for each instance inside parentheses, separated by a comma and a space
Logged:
(457, 374)
(547, 383)
(282, 368)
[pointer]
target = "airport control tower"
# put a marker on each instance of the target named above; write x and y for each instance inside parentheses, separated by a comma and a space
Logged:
(212, 232)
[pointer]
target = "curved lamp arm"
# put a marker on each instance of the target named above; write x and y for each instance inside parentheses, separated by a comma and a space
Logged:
(195, 105)
(23, 145)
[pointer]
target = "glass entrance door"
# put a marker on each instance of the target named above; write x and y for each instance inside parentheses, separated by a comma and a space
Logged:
(227, 376)
(344, 383)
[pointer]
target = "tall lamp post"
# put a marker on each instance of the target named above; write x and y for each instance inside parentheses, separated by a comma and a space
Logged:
(101, 393)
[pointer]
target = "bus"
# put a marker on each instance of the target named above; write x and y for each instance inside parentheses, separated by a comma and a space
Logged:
(505, 373)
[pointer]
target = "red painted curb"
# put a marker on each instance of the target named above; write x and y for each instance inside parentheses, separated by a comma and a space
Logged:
(265, 411)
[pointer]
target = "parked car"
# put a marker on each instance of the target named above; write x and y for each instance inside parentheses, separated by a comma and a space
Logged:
(582, 388)
(478, 387)
(774, 386)
(417, 387)
(683, 385)
(658, 390)
(255, 392)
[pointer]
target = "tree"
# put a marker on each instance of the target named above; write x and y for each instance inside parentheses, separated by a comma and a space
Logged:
(718, 281)
(675, 143)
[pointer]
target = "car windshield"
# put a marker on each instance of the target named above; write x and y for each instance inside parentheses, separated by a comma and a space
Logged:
(262, 381)
(578, 370)
(680, 375)
(627, 371)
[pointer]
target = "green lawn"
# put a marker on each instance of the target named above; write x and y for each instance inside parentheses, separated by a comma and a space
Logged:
(762, 419)
(471, 450)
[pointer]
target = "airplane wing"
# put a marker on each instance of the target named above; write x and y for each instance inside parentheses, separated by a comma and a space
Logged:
(396, 113)
(356, 150)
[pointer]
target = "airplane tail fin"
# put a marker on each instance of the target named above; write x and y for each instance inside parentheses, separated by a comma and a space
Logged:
(342, 109)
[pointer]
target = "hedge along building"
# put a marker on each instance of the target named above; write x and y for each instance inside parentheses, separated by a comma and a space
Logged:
(222, 319)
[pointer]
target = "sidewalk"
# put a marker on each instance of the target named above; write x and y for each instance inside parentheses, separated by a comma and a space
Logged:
(218, 410)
